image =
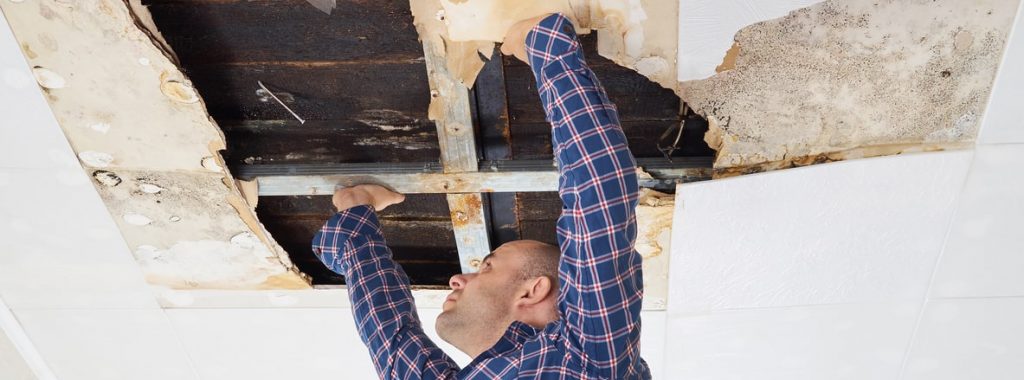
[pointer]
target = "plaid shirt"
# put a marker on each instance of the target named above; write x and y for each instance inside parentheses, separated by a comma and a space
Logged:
(601, 285)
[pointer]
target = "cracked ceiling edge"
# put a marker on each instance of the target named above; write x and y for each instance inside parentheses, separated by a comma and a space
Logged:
(143, 134)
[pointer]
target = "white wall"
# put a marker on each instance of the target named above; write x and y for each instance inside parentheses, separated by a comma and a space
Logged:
(903, 267)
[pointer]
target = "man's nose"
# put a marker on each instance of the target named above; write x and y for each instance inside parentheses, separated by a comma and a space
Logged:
(459, 281)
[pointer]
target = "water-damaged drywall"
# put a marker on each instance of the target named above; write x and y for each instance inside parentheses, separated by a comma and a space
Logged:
(853, 78)
(142, 133)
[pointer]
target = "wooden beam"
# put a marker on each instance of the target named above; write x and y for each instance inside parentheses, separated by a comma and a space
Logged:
(451, 110)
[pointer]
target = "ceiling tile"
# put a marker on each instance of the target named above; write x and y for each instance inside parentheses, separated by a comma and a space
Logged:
(859, 231)
(821, 342)
(969, 339)
(984, 254)
(107, 344)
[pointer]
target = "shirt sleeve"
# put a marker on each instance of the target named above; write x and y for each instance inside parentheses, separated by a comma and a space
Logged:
(351, 244)
(601, 281)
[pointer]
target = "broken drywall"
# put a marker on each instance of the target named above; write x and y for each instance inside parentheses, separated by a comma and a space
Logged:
(142, 133)
(651, 49)
(853, 78)
(464, 59)
(653, 242)
(629, 36)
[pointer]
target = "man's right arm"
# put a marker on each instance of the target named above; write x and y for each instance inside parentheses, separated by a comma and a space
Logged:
(351, 244)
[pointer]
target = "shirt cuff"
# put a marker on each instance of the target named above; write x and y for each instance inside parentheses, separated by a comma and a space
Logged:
(551, 39)
(335, 240)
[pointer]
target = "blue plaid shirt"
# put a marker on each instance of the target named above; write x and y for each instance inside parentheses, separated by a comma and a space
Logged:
(601, 285)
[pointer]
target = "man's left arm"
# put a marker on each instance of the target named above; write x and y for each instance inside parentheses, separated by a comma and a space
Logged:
(351, 244)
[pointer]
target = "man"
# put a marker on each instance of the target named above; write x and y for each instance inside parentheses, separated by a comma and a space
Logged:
(513, 317)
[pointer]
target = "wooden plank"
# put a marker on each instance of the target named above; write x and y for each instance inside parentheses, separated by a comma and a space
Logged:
(450, 111)
(246, 31)
(532, 141)
(470, 227)
(327, 92)
(321, 141)
(636, 97)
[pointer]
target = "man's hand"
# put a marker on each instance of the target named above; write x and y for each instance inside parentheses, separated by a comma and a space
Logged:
(373, 195)
(515, 38)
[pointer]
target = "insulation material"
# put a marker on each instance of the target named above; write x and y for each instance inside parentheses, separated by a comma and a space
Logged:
(142, 133)
(848, 79)
(707, 29)
(465, 58)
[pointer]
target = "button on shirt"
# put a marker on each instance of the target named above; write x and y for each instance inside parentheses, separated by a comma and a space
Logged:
(600, 280)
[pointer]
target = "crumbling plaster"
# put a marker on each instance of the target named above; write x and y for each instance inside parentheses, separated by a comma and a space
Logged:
(142, 133)
(854, 78)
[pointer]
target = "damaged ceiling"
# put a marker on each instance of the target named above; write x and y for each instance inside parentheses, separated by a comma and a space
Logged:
(166, 102)
(357, 78)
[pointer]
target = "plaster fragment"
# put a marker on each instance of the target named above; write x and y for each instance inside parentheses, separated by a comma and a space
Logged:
(651, 66)
(963, 41)
(178, 90)
(106, 178)
(136, 219)
(211, 164)
(150, 188)
(245, 240)
(96, 159)
(47, 78)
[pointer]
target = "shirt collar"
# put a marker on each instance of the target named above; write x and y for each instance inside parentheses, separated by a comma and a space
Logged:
(513, 340)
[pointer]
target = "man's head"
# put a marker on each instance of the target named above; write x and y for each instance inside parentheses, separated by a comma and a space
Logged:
(516, 282)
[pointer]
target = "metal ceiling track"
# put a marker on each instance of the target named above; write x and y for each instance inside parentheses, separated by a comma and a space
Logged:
(429, 177)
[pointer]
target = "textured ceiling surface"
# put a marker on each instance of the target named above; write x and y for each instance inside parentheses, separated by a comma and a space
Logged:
(358, 79)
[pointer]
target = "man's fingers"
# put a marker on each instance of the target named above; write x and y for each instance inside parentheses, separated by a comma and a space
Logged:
(391, 199)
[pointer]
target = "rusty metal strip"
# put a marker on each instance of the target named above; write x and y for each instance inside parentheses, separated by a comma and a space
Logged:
(456, 183)
(450, 109)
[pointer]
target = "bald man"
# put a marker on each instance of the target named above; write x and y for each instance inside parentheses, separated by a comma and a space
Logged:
(533, 311)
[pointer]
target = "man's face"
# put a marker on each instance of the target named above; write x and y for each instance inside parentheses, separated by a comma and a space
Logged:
(480, 304)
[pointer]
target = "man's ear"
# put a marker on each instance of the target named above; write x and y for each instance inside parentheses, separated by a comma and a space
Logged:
(536, 290)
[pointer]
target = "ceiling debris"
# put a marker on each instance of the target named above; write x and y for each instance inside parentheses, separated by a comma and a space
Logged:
(648, 44)
(465, 58)
(474, 25)
(653, 242)
(855, 78)
(142, 132)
